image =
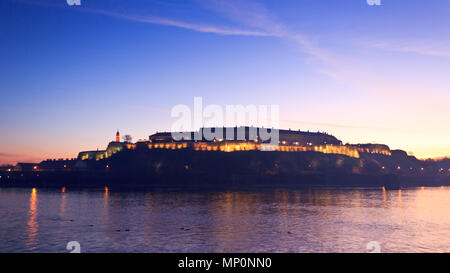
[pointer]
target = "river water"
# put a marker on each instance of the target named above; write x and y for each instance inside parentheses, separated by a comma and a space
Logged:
(316, 220)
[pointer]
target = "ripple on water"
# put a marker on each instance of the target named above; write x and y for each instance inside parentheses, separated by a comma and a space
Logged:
(268, 221)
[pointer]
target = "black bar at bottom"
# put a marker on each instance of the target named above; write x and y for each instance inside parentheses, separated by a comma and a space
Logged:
(217, 262)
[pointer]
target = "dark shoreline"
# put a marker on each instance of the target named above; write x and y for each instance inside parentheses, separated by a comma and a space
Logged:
(73, 180)
(185, 169)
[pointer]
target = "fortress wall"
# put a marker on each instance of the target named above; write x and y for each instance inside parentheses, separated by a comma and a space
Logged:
(233, 146)
(373, 149)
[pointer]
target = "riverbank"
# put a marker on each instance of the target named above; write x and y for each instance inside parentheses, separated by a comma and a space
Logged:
(249, 169)
(211, 181)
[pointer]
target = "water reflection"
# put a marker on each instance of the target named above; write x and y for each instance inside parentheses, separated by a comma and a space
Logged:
(315, 220)
(32, 221)
(105, 197)
(105, 204)
(62, 208)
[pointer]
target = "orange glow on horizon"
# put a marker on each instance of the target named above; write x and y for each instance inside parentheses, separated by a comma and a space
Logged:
(21, 154)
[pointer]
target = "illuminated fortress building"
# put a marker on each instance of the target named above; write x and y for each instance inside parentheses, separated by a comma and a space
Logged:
(242, 139)
(113, 147)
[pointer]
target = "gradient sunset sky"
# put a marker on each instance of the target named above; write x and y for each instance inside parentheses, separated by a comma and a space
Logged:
(70, 76)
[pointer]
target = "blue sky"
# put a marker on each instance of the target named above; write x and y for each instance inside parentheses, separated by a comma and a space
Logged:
(72, 75)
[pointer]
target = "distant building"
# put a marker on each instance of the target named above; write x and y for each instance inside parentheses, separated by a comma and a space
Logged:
(25, 167)
(57, 164)
(6, 168)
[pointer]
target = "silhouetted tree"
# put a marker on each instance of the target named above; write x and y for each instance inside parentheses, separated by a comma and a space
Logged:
(127, 138)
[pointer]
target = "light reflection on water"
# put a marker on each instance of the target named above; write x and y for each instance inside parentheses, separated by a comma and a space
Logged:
(32, 223)
(314, 220)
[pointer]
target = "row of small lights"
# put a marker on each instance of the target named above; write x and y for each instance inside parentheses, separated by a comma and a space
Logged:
(411, 168)
(282, 142)
(296, 143)
(383, 167)
(34, 168)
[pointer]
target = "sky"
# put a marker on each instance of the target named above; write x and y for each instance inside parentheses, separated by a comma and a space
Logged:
(70, 76)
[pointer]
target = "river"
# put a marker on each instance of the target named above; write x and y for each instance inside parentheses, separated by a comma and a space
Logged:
(316, 220)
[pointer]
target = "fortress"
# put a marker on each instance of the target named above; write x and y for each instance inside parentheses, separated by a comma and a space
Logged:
(289, 141)
(297, 158)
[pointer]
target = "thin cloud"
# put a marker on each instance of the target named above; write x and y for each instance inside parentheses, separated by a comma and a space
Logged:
(7, 155)
(260, 20)
(180, 24)
(415, 49)
(256, 15)
(205, 28)
(252, 14)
